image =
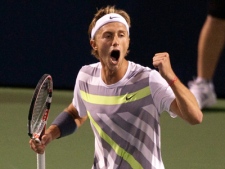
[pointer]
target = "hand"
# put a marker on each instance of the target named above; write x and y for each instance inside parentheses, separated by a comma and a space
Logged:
(162, 62)
(39, 147)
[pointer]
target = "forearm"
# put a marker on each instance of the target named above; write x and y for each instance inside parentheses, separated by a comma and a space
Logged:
(71, 110)
(54, 131)
(185, 104)
(68, 121)
(65, 123)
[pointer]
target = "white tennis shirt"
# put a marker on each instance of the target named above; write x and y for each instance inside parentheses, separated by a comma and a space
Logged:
(124, 116)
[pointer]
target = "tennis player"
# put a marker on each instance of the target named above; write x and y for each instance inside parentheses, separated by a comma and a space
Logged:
(122, 99)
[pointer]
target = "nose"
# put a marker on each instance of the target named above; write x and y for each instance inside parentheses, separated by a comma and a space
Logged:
(115, 41)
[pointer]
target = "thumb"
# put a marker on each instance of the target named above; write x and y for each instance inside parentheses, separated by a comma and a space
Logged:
(45, 139)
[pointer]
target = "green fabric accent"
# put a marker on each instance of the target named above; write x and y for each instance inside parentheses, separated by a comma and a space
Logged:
(114, 100)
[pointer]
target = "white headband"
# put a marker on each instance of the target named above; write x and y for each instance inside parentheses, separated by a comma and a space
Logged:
(112, 17)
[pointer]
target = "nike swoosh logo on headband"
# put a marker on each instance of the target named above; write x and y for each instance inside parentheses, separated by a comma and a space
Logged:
(111, 17)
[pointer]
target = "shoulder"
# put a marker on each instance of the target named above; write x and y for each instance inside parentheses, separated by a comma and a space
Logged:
(137, 69)
(89, 71)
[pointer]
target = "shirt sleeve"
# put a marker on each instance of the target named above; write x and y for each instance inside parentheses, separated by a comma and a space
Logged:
(162, 93)
(77, 100)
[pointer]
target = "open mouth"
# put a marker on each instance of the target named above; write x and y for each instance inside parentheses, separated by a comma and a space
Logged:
(115, 54)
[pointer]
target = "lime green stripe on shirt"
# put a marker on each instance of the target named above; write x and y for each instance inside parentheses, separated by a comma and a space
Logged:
(119, 150)
(114, 100)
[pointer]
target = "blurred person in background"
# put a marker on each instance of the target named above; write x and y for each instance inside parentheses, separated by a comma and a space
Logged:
(210, 46)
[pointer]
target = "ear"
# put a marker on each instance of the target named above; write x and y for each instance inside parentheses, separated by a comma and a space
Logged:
(93, 44)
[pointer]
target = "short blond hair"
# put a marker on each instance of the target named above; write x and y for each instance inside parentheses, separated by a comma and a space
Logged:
(100, 13)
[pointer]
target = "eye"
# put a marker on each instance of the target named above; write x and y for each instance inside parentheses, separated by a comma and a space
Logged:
(122, 34)
(107, 35)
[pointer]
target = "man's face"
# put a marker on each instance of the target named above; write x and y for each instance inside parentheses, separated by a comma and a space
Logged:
(111, 42)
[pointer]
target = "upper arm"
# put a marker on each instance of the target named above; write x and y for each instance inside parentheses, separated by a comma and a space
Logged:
(162, 94)
(174, 108)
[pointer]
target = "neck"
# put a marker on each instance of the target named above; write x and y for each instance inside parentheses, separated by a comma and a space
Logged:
(113, 76)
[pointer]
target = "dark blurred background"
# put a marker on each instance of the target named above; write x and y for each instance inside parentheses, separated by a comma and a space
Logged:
(38, 37)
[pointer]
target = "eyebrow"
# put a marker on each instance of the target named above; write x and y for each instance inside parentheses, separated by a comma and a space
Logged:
(112, 32)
